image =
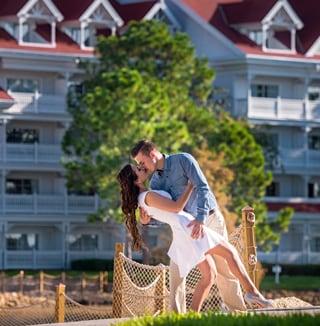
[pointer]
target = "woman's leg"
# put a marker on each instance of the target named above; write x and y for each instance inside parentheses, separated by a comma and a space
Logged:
(208, 276)
(230, 254)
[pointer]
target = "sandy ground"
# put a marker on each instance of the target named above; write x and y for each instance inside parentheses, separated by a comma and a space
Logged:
(282, 299)
(284, 302)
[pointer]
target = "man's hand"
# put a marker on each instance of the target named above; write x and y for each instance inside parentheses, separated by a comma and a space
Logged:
(197, 230)
(144, 217)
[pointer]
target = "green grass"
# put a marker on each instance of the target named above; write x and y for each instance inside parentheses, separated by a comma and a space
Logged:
(298, 282)
(191, 319)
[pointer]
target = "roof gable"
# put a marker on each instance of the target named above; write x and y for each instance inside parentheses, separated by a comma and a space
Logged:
(282, 13)
(133, 11)
(44, 9)
(100, 11)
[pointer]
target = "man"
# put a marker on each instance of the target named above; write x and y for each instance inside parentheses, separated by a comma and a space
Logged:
(171, 173)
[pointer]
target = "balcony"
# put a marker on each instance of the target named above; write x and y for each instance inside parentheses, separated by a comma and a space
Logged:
(289, 257)
(37, 103)
(298, 158)
(47, 259)
(278, 109)
(33, 153)
(36, 204)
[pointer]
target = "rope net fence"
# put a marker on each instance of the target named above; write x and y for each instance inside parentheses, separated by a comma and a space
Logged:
(42, 313)
(138, 289)
(75, 311)
(144, 290)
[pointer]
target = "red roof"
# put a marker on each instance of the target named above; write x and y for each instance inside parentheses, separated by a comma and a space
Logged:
(309, 14)
(222, 14)
(71, 11)
(4, 95)
(130, 11)
(63, 43)
(248, 11)
(298, 207)
(11, 8)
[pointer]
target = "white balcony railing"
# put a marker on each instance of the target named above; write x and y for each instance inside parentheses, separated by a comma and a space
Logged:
(48, 204)
(289, 257)
(38, 103)
(278, 109)
(35, 153)
(299, 157)
(47, 259)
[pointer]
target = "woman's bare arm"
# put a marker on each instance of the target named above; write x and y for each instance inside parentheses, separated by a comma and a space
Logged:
(153, 199)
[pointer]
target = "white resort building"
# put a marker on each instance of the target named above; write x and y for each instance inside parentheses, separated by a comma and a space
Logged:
(266, 55)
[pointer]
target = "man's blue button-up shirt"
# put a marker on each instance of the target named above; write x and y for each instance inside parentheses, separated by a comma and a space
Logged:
(178, 168)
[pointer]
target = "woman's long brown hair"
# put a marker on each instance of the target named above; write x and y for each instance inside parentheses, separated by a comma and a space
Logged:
(129, 203)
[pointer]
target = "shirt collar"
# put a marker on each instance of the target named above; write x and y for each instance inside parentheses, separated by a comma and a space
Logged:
(166, 164)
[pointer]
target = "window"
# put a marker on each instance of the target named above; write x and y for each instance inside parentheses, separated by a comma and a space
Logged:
(22, 136)
(21, 186)
(76, 88)
(314, 93)
(256, 36)
(82, 242)
(315, 244)
(314, 142)
(273, 190)
(271, 91)
(22, 85)
(18, 241)
(88, 35)
(313, 190)
(313, 96)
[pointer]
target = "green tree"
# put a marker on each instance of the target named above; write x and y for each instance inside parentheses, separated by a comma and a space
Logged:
(150, 84)
(245, 158)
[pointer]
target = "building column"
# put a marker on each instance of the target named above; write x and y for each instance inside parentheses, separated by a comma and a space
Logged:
(4, 247)
(3, 191)
(306, 131)
(65, 249)
(249, 94)
(3, 131)
(306, 243)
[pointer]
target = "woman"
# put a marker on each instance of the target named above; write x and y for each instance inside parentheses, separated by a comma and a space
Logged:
(184, 251)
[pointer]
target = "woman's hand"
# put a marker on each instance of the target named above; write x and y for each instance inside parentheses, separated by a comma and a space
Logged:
(190, 185)
(144, 217)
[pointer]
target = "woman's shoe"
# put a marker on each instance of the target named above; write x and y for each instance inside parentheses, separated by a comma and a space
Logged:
(252, 299)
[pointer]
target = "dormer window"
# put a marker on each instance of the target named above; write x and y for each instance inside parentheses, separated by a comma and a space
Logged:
(99, 18)
(279, 28)
(276, 32)
(161, 13)
(33, 20)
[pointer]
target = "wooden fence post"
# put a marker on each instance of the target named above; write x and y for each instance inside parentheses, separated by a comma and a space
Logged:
(3, 281)
(118, 271)
(60, 303)
(103, 280)
(160, 292)
(21, 276)
(83, 283)
(63, 277)
(248, 220)
(41, 281)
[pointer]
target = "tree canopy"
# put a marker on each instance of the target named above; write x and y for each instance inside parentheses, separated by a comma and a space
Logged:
(149, 84)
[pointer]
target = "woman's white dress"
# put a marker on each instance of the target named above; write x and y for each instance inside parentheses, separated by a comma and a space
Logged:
(184, 251)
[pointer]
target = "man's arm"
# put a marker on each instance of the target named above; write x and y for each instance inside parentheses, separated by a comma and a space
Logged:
(193, 172)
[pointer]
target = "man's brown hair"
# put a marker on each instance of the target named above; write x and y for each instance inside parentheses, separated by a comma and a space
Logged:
(144, 146)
